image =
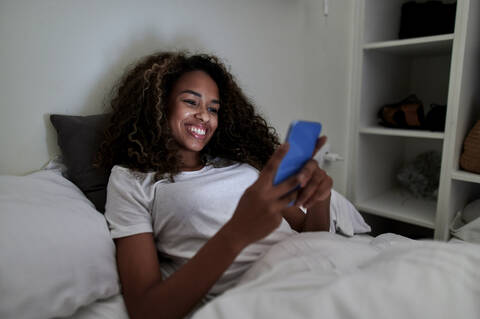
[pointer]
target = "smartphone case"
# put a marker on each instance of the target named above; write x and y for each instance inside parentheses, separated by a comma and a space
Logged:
(302, 137)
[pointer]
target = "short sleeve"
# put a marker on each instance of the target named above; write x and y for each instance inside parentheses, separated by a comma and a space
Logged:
(129, 202)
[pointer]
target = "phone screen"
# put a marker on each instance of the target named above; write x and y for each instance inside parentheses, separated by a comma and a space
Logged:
(302, 137)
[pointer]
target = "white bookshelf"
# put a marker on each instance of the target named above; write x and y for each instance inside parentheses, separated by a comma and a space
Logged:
(397, 204)
(440, 44)
(378, 130)
(466, 176)
(440, 69)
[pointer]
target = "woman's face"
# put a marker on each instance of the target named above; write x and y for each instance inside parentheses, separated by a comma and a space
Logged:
(193, 106)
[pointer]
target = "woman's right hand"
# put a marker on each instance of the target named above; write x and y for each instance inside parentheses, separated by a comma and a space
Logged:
(259, 211)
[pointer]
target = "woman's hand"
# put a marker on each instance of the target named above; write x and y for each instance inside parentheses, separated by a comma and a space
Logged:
(315, 184)
(259, 211)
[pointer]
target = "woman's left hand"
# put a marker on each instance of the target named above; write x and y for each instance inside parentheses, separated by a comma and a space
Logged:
(315, 184)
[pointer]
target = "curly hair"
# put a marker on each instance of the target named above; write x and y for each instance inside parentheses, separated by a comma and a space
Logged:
(138, 135)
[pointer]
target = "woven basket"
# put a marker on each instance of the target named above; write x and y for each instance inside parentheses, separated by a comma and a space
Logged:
(470, 158)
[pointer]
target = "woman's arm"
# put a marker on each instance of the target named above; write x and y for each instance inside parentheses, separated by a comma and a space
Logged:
(148, 296)
(317, 217)
(145, 292)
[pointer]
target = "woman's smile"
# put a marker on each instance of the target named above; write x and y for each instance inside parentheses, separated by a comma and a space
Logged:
(197, 131)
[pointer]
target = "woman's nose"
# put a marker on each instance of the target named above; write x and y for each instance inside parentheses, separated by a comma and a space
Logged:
(202, 113)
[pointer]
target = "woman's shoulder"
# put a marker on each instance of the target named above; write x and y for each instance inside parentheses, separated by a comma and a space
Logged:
(219, 162)
(232, 165)
(128, 175)
(119, 169)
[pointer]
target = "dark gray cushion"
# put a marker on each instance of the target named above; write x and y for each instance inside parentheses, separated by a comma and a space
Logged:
(79, 138)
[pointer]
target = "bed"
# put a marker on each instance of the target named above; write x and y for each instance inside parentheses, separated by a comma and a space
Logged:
(57, 259)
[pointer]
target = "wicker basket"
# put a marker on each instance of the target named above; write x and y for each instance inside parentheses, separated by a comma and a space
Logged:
(470, 158)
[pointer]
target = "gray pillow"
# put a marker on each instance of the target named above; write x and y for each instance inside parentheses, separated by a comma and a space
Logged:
(79, 138)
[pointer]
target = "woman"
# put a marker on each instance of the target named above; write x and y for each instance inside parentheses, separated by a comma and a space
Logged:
(190, 200)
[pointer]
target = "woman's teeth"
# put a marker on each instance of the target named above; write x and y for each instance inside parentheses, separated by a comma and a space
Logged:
(197, 130)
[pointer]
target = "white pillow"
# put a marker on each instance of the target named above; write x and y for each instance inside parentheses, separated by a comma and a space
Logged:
(344, 217)
(466, 224)
(56, 253)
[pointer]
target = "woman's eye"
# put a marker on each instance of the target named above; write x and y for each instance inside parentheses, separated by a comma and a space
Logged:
(191, 102)
(213, 110)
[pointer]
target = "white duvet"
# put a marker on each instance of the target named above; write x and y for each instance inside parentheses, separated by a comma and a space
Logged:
(323, 275)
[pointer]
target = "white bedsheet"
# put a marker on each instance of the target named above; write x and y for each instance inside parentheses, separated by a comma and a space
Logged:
(111, 308)
(323, 275)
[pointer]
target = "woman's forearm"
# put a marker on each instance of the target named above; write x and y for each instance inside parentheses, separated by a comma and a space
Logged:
(318, 217)
(177, 295)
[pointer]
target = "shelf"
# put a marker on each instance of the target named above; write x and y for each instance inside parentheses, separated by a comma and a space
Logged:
(434, 45)
(398, 204)
(466, 176)
(378, 130)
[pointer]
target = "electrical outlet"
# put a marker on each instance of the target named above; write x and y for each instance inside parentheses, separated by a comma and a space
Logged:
(320, 156)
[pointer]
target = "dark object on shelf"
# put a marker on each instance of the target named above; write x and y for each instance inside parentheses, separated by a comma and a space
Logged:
(470, 158)
(435, 119)
(422, 175)
(407, 113)
(426, 19)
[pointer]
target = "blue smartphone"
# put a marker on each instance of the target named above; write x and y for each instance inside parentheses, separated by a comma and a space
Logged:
(302, 137)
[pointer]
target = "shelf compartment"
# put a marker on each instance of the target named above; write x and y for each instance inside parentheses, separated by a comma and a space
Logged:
(379, 130)
(398, 204)
(433, 45)
(380, 159)
(466, 176)
(388, 79)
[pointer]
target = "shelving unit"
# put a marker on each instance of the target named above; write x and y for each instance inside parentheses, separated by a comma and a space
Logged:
(378, 130)
(397, 204)
(440, 69)
(416, 46)
(466, 176)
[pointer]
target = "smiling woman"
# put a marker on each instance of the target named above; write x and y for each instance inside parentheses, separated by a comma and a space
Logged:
(193, 106)
(192, 167)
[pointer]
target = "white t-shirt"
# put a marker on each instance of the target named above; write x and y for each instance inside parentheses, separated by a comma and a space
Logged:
(185, 214)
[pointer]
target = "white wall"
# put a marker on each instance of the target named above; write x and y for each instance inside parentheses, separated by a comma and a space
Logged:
(328, 56)
(64, 56)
